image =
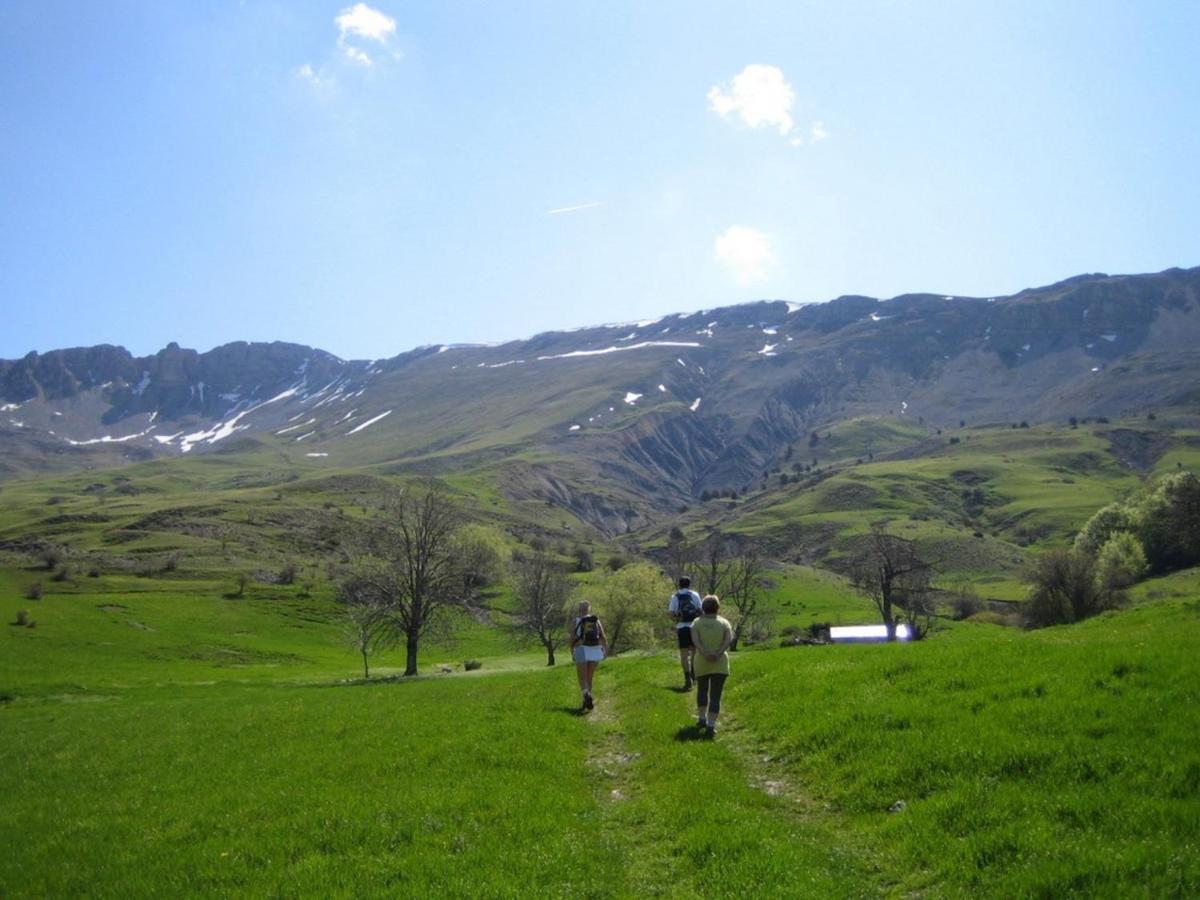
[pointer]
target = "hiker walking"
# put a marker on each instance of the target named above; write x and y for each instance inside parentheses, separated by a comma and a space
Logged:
(589, 645)
(712, 634)
(683, 609)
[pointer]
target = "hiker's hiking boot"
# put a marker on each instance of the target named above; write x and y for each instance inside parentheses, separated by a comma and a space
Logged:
(587, 701)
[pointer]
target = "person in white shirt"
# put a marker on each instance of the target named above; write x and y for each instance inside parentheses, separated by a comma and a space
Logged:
(683, 609)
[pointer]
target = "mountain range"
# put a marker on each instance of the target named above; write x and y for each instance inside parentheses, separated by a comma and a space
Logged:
(620, 422)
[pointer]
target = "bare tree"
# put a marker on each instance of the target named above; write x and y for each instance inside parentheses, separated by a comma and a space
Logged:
(541, 591)
(415, 570)
(745, 584)
(898, 581)
(712, 564)
(365, 620)
(680, 555)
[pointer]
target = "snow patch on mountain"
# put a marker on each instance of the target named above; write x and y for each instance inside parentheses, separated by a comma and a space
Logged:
(109, 439)
(606, 350)
(357, 428)
(295, 427)
(222, 430)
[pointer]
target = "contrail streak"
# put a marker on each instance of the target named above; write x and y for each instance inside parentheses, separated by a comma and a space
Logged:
(567, 209)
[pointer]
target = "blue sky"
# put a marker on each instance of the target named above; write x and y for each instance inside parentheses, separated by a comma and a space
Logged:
(370, 177)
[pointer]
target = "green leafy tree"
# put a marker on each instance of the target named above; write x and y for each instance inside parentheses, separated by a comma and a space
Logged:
(482, 554)
(632, 604)
(1121, 561)
(1104, 524)
(1168, 523)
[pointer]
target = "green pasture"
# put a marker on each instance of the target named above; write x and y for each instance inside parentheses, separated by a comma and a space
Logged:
(162, 738)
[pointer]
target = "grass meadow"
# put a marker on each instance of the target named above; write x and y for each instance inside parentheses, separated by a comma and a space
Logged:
(169, 740)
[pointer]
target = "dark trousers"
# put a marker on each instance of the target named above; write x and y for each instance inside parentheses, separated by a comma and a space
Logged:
(708, 693)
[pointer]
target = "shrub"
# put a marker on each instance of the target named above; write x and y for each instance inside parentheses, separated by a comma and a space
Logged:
(472, 664)
(1064, 589)
(287, 575)
(1121, 561)
(93, 572)
(616, 562)
(62, 574)
(34, 591)
(583, 559)
(171, 563)
(23, 620)
(966, 604)
(51, 556)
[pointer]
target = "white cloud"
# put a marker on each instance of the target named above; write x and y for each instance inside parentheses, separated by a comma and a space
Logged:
(759, 95)
(746, 252)
(355, 24)
(362, 21)
(317, 79)
(816, 132)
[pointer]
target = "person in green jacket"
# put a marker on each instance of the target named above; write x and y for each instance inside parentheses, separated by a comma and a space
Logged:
(711, 636)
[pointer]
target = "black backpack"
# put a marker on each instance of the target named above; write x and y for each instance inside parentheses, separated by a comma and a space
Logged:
(587, 631)
(686, 607)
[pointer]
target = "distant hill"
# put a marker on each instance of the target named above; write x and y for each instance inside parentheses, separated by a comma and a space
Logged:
(618, 422)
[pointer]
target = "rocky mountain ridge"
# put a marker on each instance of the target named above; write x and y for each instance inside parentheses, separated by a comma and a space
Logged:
(656, 411)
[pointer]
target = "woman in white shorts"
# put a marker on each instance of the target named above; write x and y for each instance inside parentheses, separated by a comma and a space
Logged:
(589, 645)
